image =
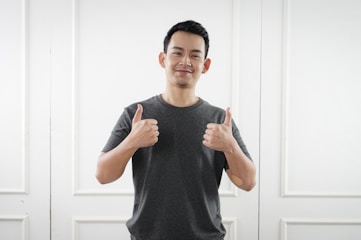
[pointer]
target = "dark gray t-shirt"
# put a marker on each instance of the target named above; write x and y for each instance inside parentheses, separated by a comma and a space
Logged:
(176, 181)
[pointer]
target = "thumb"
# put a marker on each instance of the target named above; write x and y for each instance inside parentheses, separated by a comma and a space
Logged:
(138, 114)
(228, 118)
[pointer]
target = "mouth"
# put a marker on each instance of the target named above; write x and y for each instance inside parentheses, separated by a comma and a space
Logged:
(184, 70)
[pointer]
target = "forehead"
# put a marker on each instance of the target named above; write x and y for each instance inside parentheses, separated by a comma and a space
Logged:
(187, 41)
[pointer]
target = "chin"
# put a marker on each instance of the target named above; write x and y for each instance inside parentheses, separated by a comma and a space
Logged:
(183, 85)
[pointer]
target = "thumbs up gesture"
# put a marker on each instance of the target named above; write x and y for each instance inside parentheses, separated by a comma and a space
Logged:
(219, 136)
(144, 132)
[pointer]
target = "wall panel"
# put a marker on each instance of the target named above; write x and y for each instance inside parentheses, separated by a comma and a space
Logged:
(315, 229)
(13, 227)
(14, 104)
(99, 228)
(321, 85)
(111, 227)
(310, 115)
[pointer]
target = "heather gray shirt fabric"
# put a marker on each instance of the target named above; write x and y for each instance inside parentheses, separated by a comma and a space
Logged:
(176, 181)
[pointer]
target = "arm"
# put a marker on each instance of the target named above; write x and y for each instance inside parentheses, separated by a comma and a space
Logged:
(111, 165)
(144, 133)
(242, 171)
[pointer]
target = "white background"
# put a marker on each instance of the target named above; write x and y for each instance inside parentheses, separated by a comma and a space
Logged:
(289, 70)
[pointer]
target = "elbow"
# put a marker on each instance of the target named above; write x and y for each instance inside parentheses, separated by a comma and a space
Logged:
(101, 178)
(102, 174)
(105, 175)
(104, 178)
(99, 175)
(248, 186)
(250, 183)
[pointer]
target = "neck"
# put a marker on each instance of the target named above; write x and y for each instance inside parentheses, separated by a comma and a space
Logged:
(180, 99)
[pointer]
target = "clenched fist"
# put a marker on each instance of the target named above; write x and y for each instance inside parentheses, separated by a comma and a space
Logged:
(144, 132)
(219, 136)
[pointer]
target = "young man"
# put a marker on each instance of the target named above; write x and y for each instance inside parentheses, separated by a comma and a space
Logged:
(179, 145)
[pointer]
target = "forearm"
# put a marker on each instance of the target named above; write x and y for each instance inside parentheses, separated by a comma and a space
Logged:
(241, 170)
(111, 165)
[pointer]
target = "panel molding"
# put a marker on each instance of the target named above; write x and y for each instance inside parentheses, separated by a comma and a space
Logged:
(75, 100)
(76, 189)
(78, 220)
(231, 222)
(24, 189)
(23, 219)
(285, 106)
(102, 192)
(285, 222)
(230, 192)
(236, 38)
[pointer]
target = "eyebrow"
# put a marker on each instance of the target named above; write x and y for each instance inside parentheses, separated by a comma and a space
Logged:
(182, 49)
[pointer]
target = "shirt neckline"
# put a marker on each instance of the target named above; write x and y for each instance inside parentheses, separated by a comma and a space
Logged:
(161, 100)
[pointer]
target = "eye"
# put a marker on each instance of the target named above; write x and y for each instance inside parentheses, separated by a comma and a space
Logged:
(195, 56)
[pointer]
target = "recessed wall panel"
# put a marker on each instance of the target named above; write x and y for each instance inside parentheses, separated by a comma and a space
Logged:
(13, 95)
(100, 228)
(13, 227)
(115, 228)
(321, 104)
(321, 229)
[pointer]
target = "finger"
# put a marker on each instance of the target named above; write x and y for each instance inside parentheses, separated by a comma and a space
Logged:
(228, 118)
(155, 127)
(138, 114)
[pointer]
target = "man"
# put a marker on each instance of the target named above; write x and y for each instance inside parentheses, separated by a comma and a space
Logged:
(179, 145)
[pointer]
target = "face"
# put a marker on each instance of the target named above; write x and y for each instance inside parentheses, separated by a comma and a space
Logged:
(184, 61)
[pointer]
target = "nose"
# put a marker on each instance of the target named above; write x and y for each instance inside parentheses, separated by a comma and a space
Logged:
(185, 61)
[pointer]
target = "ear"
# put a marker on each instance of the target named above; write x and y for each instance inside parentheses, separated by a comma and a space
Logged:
(206, 65)
(161, 59)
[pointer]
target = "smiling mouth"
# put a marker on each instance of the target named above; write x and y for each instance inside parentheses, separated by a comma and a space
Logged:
(184, 70)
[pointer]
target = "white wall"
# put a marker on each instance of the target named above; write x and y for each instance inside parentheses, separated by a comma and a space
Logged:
(288, 68)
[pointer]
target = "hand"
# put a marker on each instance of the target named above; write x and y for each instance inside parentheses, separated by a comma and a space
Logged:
(219, 136)
(144, 132)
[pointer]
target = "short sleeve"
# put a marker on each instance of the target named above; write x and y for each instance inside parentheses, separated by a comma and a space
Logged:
(120, 131)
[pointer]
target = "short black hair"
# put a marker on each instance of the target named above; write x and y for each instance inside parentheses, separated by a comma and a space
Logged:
(189, 26)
